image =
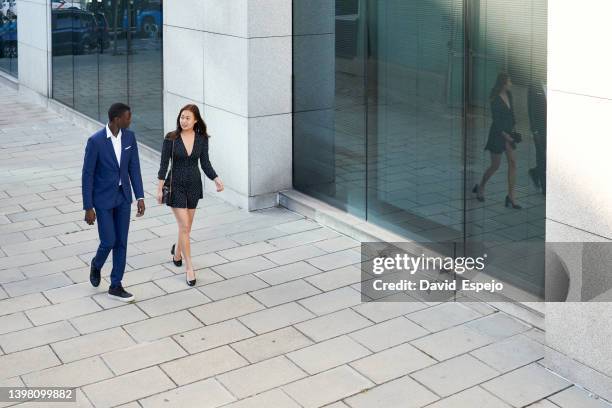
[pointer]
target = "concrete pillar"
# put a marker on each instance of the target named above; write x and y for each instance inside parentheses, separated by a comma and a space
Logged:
(233, 59)
(33, 39)
(579, 191)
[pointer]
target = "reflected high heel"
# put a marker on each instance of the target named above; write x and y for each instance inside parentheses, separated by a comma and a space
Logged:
(176, 263)
(510, 203)
(476, 191)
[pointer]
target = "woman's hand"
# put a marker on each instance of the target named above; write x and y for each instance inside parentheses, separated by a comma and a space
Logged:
(508, 137)
(160, 191)
(160, 195)
(219, 184)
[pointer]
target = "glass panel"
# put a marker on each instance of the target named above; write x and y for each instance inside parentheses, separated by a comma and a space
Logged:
(428, 118)
(145, 68)
(108, 51)
(415, 177)
(85, 51)
(8, 36)
(329, 102)
(507, 37)
(113, 70)
(62, 51)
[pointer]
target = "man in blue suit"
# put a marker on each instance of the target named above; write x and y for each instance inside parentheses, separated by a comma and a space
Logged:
(111, 169)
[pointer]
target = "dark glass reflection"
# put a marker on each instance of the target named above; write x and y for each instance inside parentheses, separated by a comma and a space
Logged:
(415, 182)
(110, 51)
(144, 69)
(392, 112)
(509, 39)
(329, 102)
(8, 36)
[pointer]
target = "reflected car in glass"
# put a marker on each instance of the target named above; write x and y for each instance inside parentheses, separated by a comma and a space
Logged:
(78, 32)
(146, 19)
(8, 39)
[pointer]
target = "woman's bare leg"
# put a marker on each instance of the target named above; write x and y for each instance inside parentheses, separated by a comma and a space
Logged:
(495, 162)
(183, 222)
(191, 215)
(177, 249)
(511, 156)
(191, 212)
(178, 254)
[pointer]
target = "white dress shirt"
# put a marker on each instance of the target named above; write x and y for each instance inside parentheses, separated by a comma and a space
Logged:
(116, 147)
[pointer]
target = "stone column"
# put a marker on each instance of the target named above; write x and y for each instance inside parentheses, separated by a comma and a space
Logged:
(33, 39)
(579, 190)
(233, 59)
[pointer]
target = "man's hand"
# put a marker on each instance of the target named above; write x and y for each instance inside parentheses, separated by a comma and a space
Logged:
(90, 216)
(141, 208)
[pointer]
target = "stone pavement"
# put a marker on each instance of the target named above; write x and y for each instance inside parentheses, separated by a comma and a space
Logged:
(276, 319)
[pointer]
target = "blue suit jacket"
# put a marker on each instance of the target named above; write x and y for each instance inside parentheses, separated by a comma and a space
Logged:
(101, 172)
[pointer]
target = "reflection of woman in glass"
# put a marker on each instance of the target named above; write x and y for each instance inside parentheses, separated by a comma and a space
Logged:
(500, 138)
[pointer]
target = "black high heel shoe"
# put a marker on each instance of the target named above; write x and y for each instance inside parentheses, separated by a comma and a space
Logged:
(510, 203)
(476, 191)
(176, 263)
(190, 282)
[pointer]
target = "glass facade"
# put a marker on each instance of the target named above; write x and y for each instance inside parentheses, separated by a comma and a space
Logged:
(107, 51)
(392, 112)
(8, 36)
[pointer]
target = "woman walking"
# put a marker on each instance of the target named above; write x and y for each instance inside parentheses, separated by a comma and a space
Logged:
(183, 148)
(501, 138)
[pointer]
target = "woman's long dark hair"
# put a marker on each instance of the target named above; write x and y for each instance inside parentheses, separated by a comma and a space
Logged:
(199, 127)
(501, 80)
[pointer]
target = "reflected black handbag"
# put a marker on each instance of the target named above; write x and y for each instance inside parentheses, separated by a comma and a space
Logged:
(516, 137)
(167, 188)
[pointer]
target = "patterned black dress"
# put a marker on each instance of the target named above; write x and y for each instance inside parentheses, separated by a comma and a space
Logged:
(503, 120)
(186, 187)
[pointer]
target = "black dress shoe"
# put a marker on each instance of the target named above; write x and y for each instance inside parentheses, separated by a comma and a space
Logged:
(118, 293)
(94, 275)
(176, 263)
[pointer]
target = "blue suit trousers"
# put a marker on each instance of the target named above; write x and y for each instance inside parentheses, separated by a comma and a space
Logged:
(113, 227)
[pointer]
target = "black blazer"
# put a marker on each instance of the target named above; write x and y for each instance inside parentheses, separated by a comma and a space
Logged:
(503, 121)
(185, 171)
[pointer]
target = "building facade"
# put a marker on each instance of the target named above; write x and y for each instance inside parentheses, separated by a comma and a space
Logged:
(379, 109)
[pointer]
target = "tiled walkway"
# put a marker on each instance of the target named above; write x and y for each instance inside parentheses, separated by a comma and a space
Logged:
(276, 320)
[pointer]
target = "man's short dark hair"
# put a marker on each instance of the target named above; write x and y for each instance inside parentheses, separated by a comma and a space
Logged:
(117, 110)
